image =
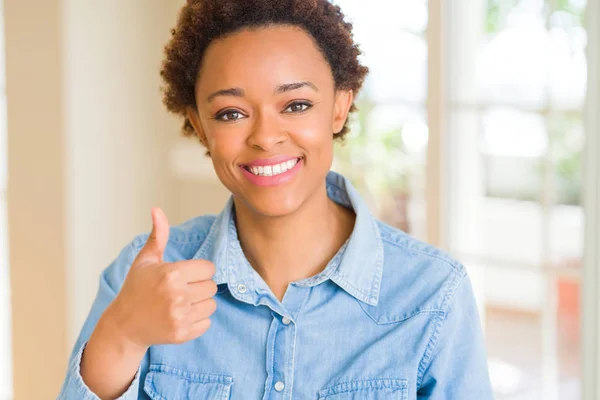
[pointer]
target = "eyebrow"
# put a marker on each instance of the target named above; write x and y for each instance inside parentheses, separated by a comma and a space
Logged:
(226, 92)
(293, 86)
(238, 92)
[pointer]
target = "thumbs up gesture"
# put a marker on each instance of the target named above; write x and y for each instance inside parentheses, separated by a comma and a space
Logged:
(160, 302)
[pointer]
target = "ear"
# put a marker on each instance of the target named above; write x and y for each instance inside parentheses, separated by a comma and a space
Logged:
(341, 108)
(194, 118)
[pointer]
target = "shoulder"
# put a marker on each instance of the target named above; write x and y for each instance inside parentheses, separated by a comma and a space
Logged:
(417, 278)
(184, 241)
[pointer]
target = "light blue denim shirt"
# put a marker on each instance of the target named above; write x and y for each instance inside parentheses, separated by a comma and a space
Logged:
(389, 317)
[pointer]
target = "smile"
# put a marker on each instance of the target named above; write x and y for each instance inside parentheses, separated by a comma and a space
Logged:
(272, 170)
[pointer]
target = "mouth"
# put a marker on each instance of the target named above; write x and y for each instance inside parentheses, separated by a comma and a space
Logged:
(274, 169)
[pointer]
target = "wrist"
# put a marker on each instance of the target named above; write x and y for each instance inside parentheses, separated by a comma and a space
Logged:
(112, 332)
(110, 361)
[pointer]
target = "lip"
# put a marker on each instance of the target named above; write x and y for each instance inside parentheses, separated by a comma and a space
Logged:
(263, 162)
(274, 180)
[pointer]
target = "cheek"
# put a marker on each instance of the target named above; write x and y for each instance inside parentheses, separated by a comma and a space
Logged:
(314, 131)
(225, 142)
(225, 148)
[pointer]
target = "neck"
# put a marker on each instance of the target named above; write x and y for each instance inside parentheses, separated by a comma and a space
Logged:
(318, 228)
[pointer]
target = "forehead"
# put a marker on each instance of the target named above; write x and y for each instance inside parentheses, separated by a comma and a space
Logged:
(266, 56)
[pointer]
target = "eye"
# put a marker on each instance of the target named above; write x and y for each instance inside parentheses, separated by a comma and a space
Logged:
(298, 107)
(229, 115)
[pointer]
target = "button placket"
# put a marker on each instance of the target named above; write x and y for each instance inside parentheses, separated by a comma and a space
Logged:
(281, 348)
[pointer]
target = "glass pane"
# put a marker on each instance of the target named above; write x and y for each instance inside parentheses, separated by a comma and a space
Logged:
(566, 227)
(534, 351)
(514, 145)
(512, 62)
(391, 35)
(566, 137)
(566, 56)
(534, 54)
(525, 242)
(405, 15)
(384, 154)
(545, 364)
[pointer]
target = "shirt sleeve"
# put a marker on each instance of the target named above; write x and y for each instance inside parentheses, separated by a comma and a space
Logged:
(454, 365)
(111, 281)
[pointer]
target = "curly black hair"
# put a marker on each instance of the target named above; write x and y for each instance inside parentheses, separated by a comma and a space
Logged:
(202, 21)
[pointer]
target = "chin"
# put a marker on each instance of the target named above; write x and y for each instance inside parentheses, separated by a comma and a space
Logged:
(273, 206)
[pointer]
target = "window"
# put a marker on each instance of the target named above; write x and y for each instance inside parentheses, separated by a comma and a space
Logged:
(384, 153)
(524, 107)
(515, 72)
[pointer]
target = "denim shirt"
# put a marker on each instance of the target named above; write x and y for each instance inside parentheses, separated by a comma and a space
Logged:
(389, 317)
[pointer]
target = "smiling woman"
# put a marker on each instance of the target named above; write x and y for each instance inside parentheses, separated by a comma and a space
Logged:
(283, 102)
(295, 266)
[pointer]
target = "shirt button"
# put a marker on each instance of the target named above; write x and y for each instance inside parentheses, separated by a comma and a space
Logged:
(241, 288)
(279, 386)
(286, 320)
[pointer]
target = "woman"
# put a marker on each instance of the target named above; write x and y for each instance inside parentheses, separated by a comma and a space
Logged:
(294, 290)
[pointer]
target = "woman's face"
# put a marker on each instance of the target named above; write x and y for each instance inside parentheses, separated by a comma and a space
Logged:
(267, 111)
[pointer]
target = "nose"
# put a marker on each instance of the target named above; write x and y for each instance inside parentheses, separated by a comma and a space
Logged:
(266, 133)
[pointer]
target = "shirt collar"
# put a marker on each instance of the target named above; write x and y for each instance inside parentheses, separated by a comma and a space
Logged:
(358, 273)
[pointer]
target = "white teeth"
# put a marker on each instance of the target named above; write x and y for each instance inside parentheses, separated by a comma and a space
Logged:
(270, 170)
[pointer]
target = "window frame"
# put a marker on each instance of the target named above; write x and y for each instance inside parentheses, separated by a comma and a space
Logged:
(443, 204)
(591, 202)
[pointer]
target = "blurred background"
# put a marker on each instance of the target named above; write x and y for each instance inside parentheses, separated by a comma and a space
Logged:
(472, 135)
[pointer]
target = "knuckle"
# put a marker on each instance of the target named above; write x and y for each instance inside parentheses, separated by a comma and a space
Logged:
(213, 289)
(175, 302)
(211, 305)
(174, 312)
(207, 323)
(210, 267)
(179, 335)
(171, 279)
(163, 289)
(173, 275)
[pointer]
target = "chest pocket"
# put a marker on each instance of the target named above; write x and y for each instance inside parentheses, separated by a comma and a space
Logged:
(373, 389)
(166, 383)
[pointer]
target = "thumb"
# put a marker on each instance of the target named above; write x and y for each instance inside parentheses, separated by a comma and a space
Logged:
(157, 241)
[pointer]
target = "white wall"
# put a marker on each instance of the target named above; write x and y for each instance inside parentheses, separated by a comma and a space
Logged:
(5, 313)
(91, 149)
(35, 196)
(116, 133)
